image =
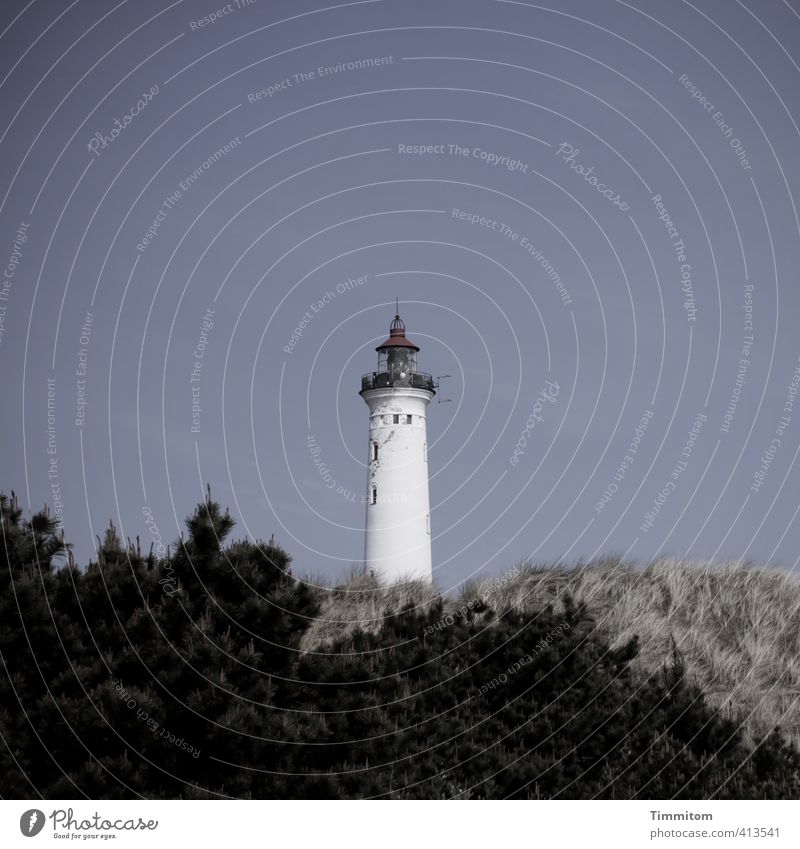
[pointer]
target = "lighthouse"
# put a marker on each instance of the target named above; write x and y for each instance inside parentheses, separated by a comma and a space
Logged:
(397, 543)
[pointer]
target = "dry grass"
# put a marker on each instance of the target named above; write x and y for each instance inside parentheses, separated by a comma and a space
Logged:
(738, 627)
(360, 601)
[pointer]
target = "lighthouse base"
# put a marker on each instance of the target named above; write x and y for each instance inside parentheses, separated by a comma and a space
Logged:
(398, 532)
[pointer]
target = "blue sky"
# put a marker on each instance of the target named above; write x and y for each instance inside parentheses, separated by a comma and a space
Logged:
(598, 195)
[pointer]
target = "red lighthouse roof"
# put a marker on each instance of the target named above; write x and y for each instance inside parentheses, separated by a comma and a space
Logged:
(397, 336)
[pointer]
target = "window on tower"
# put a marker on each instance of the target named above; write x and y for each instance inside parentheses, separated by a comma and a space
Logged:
(374, 494)
(396, 418)
(408, 418)
(374, 450)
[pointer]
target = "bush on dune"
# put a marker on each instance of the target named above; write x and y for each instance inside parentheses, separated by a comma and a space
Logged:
(214, 672)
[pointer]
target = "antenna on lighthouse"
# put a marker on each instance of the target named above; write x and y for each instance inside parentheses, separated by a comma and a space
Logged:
(438, 395)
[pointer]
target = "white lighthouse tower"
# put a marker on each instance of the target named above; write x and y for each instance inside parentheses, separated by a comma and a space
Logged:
(398, 526)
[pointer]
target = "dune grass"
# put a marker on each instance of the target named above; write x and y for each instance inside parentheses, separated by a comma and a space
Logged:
(737, 626)
(361, 601)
